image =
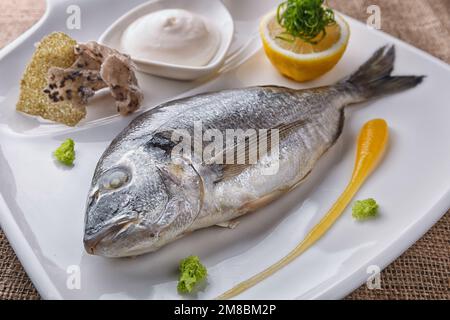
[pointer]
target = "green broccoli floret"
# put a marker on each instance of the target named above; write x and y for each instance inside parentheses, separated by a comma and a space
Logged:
(365, 209)
(191, 273)
(66, 152)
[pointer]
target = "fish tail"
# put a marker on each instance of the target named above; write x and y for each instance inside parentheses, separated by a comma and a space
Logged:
(373, 79)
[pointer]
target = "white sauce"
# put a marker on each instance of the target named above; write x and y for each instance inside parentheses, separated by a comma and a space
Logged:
(172, 36)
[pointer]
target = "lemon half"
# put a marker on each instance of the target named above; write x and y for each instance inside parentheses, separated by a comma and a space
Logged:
(299, 60)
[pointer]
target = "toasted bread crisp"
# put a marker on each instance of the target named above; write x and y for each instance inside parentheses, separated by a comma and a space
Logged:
(55, 50)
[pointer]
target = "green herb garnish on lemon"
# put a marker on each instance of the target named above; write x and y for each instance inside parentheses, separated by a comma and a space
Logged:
(304, 19)
(304, 39)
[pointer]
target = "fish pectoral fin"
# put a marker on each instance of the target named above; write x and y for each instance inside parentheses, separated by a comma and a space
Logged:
(229, 224)
(254, 137)
(230, 171)
(285, 128)
(245, 157)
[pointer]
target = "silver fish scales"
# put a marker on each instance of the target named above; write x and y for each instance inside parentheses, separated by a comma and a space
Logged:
(141, 198)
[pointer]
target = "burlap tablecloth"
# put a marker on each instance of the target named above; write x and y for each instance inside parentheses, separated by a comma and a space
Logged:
(420, 273)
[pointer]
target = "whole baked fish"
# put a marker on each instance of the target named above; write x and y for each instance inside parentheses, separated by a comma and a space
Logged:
(144, 195)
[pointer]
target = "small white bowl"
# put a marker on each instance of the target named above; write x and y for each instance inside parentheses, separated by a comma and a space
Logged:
(212, 9)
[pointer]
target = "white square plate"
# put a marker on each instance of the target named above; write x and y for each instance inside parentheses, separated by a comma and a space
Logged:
(42, 205)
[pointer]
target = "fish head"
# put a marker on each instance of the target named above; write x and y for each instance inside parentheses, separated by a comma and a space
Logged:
(140, 203)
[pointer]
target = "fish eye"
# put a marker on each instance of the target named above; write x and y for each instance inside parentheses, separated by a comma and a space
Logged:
(114, 179)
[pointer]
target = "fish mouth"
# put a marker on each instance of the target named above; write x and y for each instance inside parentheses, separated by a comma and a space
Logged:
(109, 231)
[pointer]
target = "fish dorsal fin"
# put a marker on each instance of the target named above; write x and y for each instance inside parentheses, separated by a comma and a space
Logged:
(238, 156)
(242, 162)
